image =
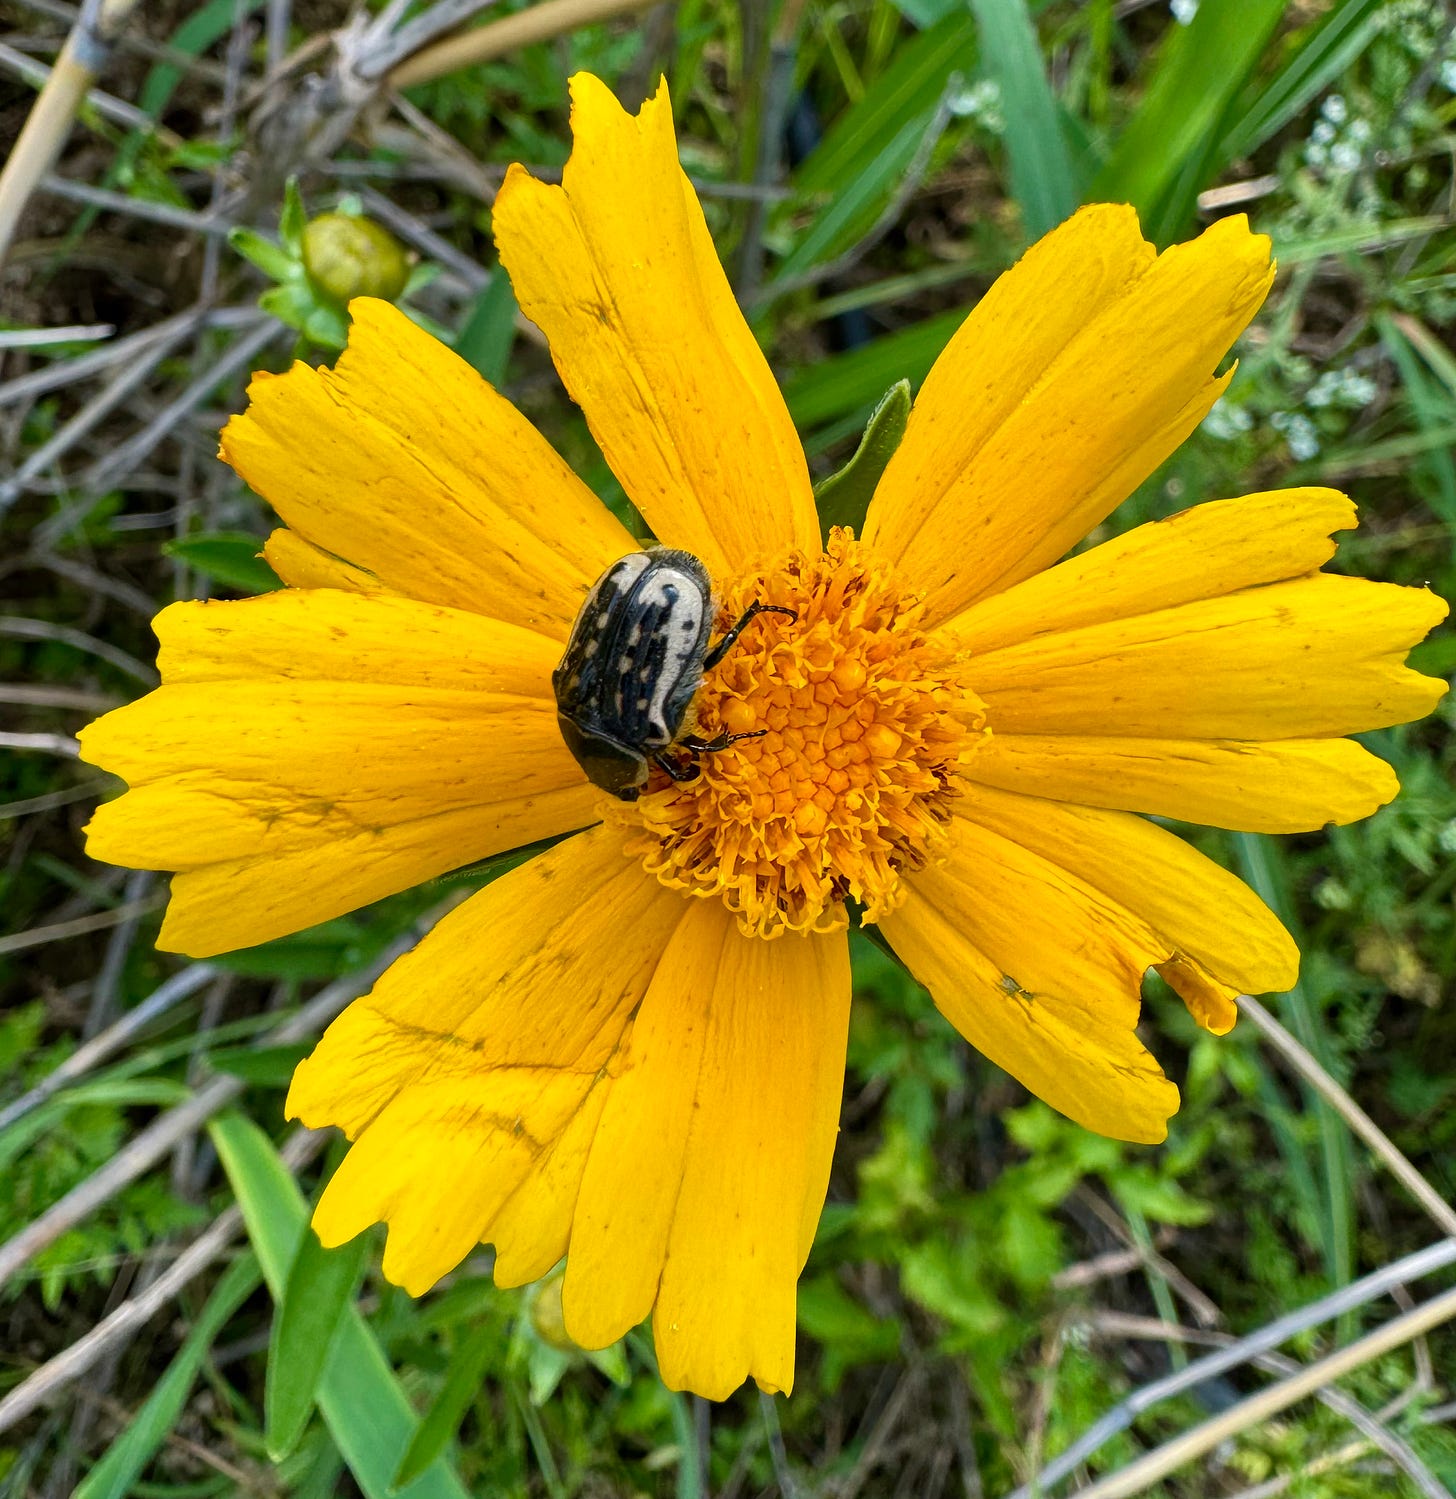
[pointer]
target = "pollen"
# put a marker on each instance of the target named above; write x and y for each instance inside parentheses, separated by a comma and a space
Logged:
(862, 723)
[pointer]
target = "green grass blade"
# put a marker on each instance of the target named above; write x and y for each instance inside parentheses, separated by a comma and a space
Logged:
(908, 90)
(851, 212)
(1361, 240)
(849, 384)
(1260, 865)
(320, 1288)
(365, 1410)
(1199, 69)
(128, 1456)
(1042, 180)
(1418, 355)
(442, 1421)
(490, 329)
(1326, 50)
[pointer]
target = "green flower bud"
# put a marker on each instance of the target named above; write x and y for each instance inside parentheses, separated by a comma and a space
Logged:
(546, 1315)
(346, 256)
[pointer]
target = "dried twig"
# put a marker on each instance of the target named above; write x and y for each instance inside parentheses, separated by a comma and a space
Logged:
(538, 23)
(35, 338)
(130, 453)
(95, 1051)
(132, 376)
(1203, 1309)
(1377, 1434)
(117, 1329)
(49, 121)
(1347, 1298)
(39, 936)
(139, 208)
(123, 351)
(19, 628)
(1361, 1124)
(29, 805)
(1140, 1475)
(46, 744)
(158, 1138)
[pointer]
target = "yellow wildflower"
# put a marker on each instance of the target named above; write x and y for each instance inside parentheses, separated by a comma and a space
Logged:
(960, 729)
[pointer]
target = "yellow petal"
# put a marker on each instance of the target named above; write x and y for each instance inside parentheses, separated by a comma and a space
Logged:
(1076, 375)
(617, 268)
(1042, 973)
(1285, 786)
(302, 565)
(405, 462)
(1212, 1004)
(1309, 658)
(1198, 909)
(315, 751)
(472, 1073)
(711, 1161)
(1200, 553)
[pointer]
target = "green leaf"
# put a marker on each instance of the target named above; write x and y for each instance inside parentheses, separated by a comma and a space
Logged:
(490, 329)
(127, 1457)
(1199, 69)
(264, 1066)
(850, 1334)
(442, 1421)
(844, 498)
(318, 952)
(1041, 167)
(231, 558)
(1435, 657)
(327, 326)
(320, 1289)
(853, 382)
(362, 1404)
(208, 24)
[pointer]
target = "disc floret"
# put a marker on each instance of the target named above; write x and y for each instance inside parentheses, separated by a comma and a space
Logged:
(866, 719)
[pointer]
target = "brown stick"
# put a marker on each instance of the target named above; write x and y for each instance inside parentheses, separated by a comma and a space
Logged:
(538, 24)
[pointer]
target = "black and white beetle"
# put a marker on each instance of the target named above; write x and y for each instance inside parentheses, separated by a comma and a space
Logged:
(635, 660)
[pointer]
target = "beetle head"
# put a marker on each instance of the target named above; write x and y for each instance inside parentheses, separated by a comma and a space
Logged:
(607, 764)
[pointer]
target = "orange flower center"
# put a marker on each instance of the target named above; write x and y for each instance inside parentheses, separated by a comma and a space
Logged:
(866, 719)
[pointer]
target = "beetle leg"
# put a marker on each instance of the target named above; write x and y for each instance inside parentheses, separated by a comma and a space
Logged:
(725, 645)
(718, 742)
(678, 772)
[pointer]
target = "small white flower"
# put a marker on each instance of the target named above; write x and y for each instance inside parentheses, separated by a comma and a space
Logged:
(1299, 432)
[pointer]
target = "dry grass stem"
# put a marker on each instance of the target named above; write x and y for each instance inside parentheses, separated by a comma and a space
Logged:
(1360, 1123)
(1139, 1476)
(118, 1327)
(1358, 1293)
(539, 23)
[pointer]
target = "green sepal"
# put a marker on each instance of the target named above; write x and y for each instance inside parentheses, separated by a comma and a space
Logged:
(293, 220)
(843, 498)
(274, 261)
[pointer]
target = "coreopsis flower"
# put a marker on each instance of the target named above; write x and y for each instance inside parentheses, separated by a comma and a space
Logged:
(629, 1050)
